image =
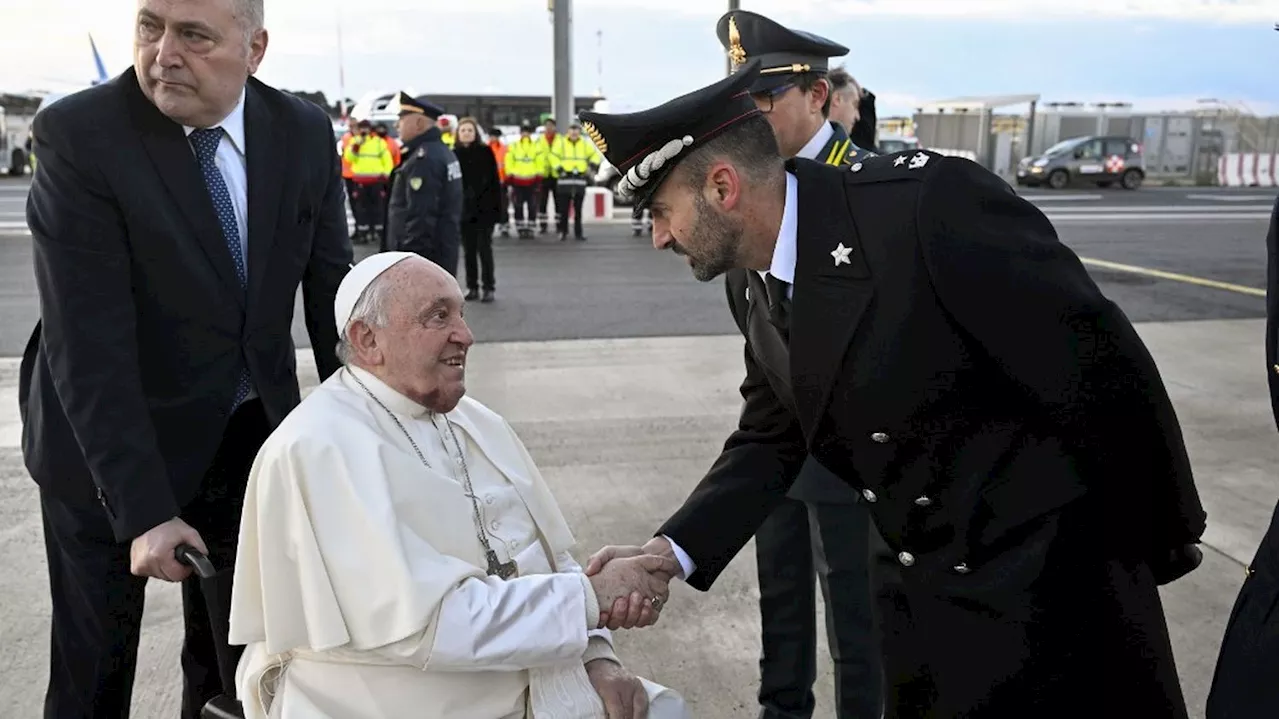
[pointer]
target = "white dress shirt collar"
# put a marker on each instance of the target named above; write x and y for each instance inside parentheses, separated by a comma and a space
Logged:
(394, 401)
(817, 142)
(784, 250)
(232, 125)
(783, 265)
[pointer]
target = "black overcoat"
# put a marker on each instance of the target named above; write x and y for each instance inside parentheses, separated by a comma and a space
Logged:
(953, 361)
(1244, 681)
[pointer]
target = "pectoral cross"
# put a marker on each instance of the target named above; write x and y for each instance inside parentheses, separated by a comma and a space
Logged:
(505, 570)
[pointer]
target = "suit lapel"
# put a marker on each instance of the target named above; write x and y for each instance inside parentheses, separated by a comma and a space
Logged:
(174, 160)
(830, 297)
(265, 163)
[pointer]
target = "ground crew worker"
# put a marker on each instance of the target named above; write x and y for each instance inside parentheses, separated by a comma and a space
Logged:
(445, 124)
(573, 159)
(547, 188)
(504, 197)
(425, 214)
(370, 166)
(348, 176)
(523, 168)
(384, 189)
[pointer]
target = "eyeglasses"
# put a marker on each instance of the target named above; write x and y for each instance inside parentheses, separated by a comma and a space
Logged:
(765, 100)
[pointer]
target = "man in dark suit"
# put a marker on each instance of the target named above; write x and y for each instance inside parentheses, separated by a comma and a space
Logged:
(821, 530)
(175, 212)
(1244, 682)
(944, 354)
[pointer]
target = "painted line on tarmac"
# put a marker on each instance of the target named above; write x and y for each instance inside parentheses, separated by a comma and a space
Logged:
(1219, 209)
(1126, 218)
(1189, 279)
(1232, 198)
(1056, 198)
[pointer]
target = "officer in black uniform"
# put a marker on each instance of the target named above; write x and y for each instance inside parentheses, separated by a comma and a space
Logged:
(425, 211)
(940, 350)
(1244, 682)
(821, 531)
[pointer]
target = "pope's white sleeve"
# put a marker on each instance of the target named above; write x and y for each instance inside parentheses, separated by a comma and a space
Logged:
(490, 624)
(599, 641)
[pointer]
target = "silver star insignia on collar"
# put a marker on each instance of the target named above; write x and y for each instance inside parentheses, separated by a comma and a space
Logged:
(841, 254)
(901, 159)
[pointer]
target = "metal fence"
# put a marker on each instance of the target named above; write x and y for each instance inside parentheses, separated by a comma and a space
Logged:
(1182, 147)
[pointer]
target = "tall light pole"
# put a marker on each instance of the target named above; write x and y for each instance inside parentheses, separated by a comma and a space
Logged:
(728, 64)
(562, 30)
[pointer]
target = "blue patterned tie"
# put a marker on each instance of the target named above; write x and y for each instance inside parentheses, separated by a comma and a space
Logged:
(205, 142)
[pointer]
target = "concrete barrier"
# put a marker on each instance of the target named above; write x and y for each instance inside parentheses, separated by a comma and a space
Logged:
(597, 206)
(1247, 169)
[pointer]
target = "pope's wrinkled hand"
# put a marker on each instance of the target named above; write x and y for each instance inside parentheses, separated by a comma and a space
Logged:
(622, 693)
(641, 581)
(634, 611)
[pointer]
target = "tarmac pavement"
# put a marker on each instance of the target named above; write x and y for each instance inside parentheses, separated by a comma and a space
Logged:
(620, 373)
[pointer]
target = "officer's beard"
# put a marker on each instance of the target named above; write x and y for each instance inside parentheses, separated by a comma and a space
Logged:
(712, 245)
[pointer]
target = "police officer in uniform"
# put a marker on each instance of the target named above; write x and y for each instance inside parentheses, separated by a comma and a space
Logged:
(1244, 682)
(425, 210)
(918, 328)
(821, 531)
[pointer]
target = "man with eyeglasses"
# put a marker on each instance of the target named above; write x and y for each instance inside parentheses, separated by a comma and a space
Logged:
(821, 532)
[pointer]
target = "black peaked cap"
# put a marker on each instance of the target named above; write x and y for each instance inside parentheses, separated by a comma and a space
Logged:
(402, 104)
(644, 146)
(782, 52)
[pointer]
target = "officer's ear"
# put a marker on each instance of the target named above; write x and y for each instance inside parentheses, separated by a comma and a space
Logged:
(724, 185)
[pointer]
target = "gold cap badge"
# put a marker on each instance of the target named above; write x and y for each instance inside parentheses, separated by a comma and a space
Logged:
(737, 54)
(595, 136)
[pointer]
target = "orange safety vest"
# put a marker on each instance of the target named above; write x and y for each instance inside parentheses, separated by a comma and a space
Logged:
(499, 154)
(346, 164)
(394, 145)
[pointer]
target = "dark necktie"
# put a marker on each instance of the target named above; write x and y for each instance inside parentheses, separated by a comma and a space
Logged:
(205, 142)
(779, 304)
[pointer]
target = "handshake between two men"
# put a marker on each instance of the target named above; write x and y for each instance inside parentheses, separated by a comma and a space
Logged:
(632, 583)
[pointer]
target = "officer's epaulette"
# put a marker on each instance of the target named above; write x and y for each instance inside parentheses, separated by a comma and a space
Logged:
(906, 165)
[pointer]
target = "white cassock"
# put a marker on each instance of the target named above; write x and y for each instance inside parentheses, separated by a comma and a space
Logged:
(360, 589)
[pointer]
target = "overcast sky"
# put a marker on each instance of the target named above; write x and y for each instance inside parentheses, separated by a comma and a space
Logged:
(1158, 54)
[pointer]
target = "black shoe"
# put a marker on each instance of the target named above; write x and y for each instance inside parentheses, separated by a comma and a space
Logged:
(564, 236)
(472, 295)
(488, 296)
(581, 238)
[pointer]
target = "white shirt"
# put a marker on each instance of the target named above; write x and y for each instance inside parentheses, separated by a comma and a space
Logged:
(783, 266)
(233, 167)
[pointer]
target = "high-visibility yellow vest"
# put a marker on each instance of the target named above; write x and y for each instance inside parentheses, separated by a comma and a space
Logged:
(371, 159)
(544, 154)
(569, 156)
(523, 161)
